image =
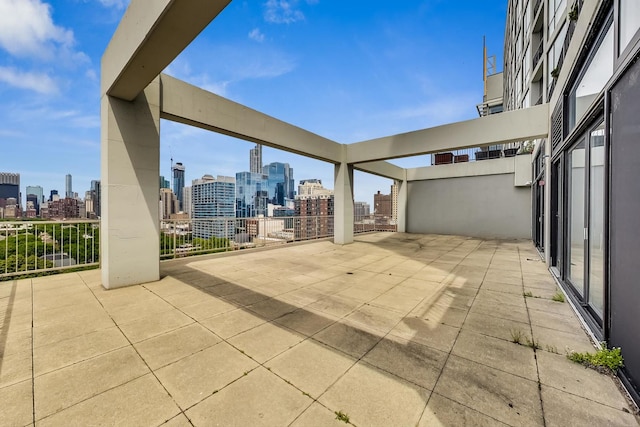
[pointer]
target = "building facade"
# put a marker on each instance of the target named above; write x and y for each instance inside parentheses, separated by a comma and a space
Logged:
(214, 204)
(581, 57)
(255, 159)
(313, 216)
(178, 182)
(280, 182)
(312, 187)
(37, 194)
(9, 189)
(251, 194)
(68, 186)
(361, 210)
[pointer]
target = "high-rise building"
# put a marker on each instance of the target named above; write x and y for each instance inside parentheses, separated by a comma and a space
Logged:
(394, 203)
(68, 187)
(581, 57)
(255, 159)
(168, 203)
(38, 192)
(96, 197)
(280, 182)
(213, 201)
(9, 188)
(10, 178)
(251, 194)
(178, 182)
(314, 216)
(382, 206)
(63, 208)
(53, 193)
(164, 183)
(32, 202)
(361, 210)
(310, 187)
(187, 207)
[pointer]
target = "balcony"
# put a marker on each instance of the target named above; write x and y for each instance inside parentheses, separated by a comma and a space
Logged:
(394, 329)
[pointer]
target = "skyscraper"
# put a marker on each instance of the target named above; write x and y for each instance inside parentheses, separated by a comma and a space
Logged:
(213, 198)
(178, 182)
(68, 187)
(188, 204)
(280, 182)
(51, 194)
(255, 159)
(95, 196)
(164, 183)
(251, 194)
(37, 196)
(9, 187)
(314, 216)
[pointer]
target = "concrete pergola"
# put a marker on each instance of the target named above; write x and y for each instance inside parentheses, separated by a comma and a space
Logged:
(135, 95)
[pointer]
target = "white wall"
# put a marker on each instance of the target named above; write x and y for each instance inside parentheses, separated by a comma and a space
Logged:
(488, 206)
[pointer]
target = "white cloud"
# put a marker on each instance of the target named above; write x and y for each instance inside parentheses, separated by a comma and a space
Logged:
(256, 35)
(282, 11)
(37, 82)
(118, 4)
(27, 29)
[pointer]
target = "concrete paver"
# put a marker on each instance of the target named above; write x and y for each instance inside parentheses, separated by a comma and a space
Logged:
(257, 399)
(395, 329)
(371, 397)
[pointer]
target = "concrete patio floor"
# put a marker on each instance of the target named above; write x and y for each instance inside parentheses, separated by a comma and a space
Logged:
(393, 330)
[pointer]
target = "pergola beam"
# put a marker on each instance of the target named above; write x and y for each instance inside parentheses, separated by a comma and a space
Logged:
(149, 37)
(188, 104)
(511, 126)
(383, 169)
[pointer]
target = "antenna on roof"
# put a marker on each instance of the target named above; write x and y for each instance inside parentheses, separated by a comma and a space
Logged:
(488, 65)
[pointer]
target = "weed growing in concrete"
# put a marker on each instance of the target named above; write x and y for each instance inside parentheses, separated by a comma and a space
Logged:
(605, 358)
(551, 349)
(533, 343)
(530, 294)
(341, 416)
(558, 297)
(516, 336)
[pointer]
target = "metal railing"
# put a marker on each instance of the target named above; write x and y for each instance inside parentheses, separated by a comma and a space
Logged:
(185, 237)
(537, 56)
(476, 154)
(28, 247)
(374, 223)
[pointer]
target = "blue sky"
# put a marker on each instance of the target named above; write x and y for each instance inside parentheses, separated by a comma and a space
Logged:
(347, 70)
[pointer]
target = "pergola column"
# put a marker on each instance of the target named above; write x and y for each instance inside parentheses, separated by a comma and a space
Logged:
(130, 163)
(343, 204)
(402, 205)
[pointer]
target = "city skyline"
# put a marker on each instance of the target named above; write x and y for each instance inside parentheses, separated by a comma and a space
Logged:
(51, 81)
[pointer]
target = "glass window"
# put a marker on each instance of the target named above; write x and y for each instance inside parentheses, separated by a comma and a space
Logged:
(629, 21)
(556, 9)
(527, 19)
(555, 52)
(596, 218)
(598, 71)
(576, 186)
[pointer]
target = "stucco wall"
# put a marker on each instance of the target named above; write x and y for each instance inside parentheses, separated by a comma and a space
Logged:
(478, 206)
